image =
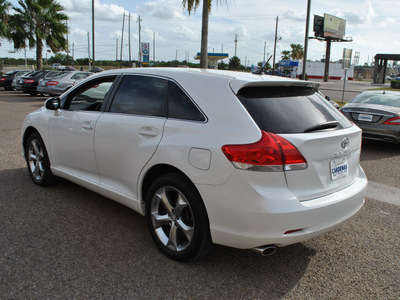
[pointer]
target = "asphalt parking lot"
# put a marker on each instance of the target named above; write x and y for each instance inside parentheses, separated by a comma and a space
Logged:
(66, 242)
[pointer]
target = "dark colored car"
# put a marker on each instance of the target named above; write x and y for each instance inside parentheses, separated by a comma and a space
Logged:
(377, 113)
(97, 70)
(7, 78)
(31, 82)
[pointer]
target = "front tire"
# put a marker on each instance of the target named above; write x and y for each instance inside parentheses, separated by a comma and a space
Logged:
(177, 218)
(38, 161)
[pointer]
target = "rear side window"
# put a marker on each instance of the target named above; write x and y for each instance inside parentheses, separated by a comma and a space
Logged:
(180, 106)
(288, 109)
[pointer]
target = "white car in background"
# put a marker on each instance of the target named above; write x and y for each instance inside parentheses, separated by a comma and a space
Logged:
(209, 157)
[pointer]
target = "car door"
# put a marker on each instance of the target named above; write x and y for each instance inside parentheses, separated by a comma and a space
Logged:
(71, 130)
(128, 134)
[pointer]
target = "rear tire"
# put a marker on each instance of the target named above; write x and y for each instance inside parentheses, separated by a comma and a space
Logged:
(177, 218)
(37, 161)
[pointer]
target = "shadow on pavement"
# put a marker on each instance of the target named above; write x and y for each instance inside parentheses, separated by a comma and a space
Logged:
(68, 241)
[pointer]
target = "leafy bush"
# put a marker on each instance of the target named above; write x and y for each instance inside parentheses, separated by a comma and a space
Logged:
(395, 84)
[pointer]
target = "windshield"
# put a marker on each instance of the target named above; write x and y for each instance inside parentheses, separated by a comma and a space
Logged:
(379, 99)
(288, 109)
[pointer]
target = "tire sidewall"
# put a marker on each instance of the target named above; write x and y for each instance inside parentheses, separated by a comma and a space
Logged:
(201, 235)
(47, 178)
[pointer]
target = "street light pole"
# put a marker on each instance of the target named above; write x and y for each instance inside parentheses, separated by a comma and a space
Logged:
(93, 64)
(306, 40)
(276, 37)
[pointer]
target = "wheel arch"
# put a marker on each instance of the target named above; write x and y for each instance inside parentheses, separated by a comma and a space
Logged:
(153, 173)
(28, 131)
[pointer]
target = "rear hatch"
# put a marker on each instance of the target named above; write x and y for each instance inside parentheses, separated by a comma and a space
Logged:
(329, 142)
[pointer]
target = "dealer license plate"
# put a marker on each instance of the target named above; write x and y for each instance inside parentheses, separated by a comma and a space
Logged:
(365, 118)
(339, 168)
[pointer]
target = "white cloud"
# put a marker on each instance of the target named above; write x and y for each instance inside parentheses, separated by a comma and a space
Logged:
(164, 9)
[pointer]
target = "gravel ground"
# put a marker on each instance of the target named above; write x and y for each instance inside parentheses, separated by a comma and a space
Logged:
(66, 242)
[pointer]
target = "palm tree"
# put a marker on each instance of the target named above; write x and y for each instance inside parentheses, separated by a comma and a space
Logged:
(4, 8)
(285, 54)
(234, 63)
(297, 51)
(36, 21)
(191, 6)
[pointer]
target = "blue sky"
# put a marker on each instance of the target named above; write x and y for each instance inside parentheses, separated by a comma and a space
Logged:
(373, 25)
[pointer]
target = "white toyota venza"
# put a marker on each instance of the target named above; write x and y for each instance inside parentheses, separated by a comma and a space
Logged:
(209, 157)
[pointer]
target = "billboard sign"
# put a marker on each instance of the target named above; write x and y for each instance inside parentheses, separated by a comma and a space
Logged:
(334, 27)
(146, 52)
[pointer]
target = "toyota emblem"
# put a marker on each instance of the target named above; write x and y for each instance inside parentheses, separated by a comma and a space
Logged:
(345, 142)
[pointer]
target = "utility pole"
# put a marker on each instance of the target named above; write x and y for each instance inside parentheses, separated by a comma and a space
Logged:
(154, 47)
(265, 46)
(88, 48)
(140, 42)
(116, 53)
(306, 40)
(236, 40)
(67, 45)
(92, 35)
(129, 33)
(73, 52)
(122, 40)
(276, 37)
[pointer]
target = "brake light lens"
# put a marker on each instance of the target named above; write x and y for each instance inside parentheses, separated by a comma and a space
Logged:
(3, 78)
(271, 153)
(393, 121)
(29, 81)
(52, 82)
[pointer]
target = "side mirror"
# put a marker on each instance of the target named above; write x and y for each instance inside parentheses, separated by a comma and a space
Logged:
(53, 103)
(327, 98)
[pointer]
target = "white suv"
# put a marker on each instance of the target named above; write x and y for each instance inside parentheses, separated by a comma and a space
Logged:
(242, 160)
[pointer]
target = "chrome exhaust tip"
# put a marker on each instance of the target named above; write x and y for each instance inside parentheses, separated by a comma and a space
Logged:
(265, 250)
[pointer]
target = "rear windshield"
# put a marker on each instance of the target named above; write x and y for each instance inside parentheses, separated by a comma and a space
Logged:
(289, 109)
(379, 99)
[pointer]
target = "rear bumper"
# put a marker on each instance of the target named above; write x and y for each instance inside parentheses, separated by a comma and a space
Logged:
(256, 215)
(388, 133)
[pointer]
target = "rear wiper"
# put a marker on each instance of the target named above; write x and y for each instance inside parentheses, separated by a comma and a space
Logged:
(321, 126)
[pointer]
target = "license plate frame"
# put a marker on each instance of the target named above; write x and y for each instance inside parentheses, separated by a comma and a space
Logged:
(339, 168)
(365, 117)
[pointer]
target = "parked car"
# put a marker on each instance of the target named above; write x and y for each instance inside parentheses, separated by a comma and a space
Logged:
(96, 70)
(55, 66)
(31, 82)
(7, 79)
(62, 82)
(377, 113)
(208, 156)
(19, 85)
(18, 75)
(42, 87)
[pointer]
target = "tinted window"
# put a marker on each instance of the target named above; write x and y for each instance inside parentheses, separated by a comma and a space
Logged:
(180, 106)
(380, 99)
(288, 109)
(90, 96)
(141, 95)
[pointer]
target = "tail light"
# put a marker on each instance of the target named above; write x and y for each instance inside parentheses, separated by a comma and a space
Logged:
(52, 82)
(29, 81)
(271, 153)
(393, 121)
(3, 78)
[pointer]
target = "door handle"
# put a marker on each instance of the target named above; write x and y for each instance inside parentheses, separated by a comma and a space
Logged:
(148, 132)
(87, 125)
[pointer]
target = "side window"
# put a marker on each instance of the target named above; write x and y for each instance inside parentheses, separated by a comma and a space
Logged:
(141, 95)
(91, 96)
(180, 106)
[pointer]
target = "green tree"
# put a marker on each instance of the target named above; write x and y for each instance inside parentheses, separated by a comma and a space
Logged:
(285, 54)
(234, 63)
(297, 51)
(191, 6)
(4, 8)
(39, 22)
